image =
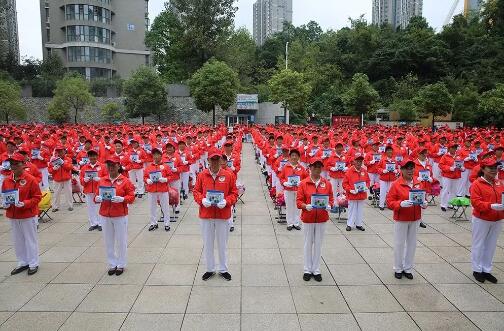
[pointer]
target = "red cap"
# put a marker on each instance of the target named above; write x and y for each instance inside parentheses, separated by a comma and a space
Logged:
(489, 162)
(453, 144)
(59, 148)
(18, 157)
(315, 160)
(228, 143)
(487, 154)
(213, 153)
(294, 150)
(405, 162)
(113, 159)
(156, 150)
(358, 156)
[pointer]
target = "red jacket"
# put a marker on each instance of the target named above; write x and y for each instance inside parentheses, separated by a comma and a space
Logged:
(29, 194)
(389, 176)
(372, 168)
(289, 170)
(157, 186)
(124, 188)
(34, 171)
(187, 155)
(63, 173)
(90, 187)
(175, 175)
(446, 162)
(45, 154)
(399, 191)
(331, 163)
(140, 154)
(225, 182)
(353, 176)
(304, 193)
(483, 194)
(424, 185)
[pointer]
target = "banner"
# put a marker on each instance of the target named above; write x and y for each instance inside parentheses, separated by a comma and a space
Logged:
(247, 101)
(345, 120)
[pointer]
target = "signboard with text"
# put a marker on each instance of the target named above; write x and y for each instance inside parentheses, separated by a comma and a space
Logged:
(345, 120)
(247, 101)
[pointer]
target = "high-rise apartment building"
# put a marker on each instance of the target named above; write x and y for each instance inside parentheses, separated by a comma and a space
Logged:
(98, 38)
(9, 40)
(269, 18)
(397, 13)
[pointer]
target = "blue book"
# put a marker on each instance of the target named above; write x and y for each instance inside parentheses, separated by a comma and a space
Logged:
(10, 197)
(319, 201)
(107, 192)
(417, 196)
(214, 196)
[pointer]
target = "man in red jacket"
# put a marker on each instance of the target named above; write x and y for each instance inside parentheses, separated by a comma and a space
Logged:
(61, 170)
(356, 183)
(215, 192)
(22, 214)
(90, 175)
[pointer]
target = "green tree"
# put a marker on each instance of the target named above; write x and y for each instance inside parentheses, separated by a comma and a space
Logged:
(491, 108)
(71, 95)
(434, 99)
(406, 109)
(111, 112)
(145, 94)
(465, 105)
(10, 101)
(402, 98)
(290, 88)
(214, 84)
(361, 98)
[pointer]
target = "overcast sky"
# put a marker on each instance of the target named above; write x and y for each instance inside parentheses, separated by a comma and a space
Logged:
(330, 14)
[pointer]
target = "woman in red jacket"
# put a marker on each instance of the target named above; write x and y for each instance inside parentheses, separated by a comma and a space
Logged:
(314, 217)
(407, 217)
(488, 212)
(22, 214)
(388, 174)
(356, 183)
(60, 168)
(114, 213)
(451, 166)
(90, 175)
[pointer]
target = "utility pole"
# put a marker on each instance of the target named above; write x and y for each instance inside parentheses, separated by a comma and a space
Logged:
(286, 55)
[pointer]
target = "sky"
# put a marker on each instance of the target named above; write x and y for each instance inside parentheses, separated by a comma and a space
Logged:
(330, 14)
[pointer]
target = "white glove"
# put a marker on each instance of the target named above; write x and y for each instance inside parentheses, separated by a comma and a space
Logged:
(372, 161)
(139, 161)
(174, 169)
(309, 207)
(40, 157)
(305, 148)
(206, 203)
(328, 208)
(462, 169)
(452, 168)
(149, 181)
(86, 179)
(232, 168)
(34, 157)
(324, 157)
(20, 204)
(287, 184)
(424, 205)
(353, 192)
(148, 152)
(96, 179)
(98, 199)
(56, 167)
(467, 159)
(406, 204)
(334, 169)
(163, 180)
(385, 171)
(345, 168)
(396, 171)
(82, 163)
(497, 206)
(279, 169)
(185, 162)
(222, 204)
(117, 199)
(440, 153)
(107, 147)
(419, 179)
(5, 205)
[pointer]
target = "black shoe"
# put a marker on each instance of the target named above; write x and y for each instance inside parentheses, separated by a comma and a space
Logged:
(408, 275)
(422, 225)
(19, 269)
(370, 198)
(443, 208)
(348, 228)
(153, 227)
(297, 227)
(231, 229)
(290, 227)
(91, 228)
(173, 220)
(360, 228)
(398, 275)
(70, 208)
(112, 271)
(382, 209)
(55, 210)
(119, 271)
(32, 271)
(185, 197)
(99, 227)
(480, 277)
(177, 212)
(318, 277)
(140, 196)
(307, 277)
(167, 228)
(491, 278)
(226, 275)
(281, 221)
(207, 275)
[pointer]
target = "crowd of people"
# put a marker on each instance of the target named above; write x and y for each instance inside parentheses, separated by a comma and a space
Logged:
(312, 169)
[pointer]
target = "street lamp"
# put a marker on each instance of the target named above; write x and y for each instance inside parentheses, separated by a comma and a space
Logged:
(286, 55)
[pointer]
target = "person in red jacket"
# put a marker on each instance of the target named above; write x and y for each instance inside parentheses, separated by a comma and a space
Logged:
(22, 214)
(156, 177)
(60, 168)
(451, 166)
(114, 213)
(372, 161)
(290, 177)
(40, 155)
(407, 217)
(488, 212)
(337, 165)
(135, 167)
(387, 168)
(314, 217)
(90, 175)
(357, 194)
(215, 192)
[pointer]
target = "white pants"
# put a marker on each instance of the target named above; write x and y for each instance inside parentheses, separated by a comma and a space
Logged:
(463, 189)
(484, 242)
(337, 186)
(212, 229)
(164, 202)
(449, 190)
(313, 236)
(44, 186)
(24, 235)
(355, 213)
(184, 178)
(384, 188)
(373, 179)
(274, 179)
(65, 189)
(292, 214)
(136, 177)
(92, 208)
(436, 172)
(176, 185)
(115, 231)
(405, 234)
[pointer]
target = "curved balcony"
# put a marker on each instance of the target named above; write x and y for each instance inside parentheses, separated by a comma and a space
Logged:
(104, 4)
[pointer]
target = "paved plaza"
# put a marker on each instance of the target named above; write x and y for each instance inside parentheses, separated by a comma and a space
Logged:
(162, 289)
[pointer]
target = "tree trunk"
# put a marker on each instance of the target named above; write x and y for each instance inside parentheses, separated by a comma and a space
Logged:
(285, 114)
(7, 118)
(75, 116)
(213, 115)
(433, 126)
(143, 119)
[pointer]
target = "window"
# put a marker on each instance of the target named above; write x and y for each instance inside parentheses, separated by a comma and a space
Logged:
(48, 34)
(88, 33)
(89, 54)
(88, 13)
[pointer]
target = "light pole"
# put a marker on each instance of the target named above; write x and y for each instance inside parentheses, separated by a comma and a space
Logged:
(286, 55)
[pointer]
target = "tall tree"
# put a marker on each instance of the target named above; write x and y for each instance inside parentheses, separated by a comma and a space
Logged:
(361, 98)
(10, 101)
(145, 94)
(465, 105)
(491, 108)
(215, 84)
(72, 94)
(434, 99)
